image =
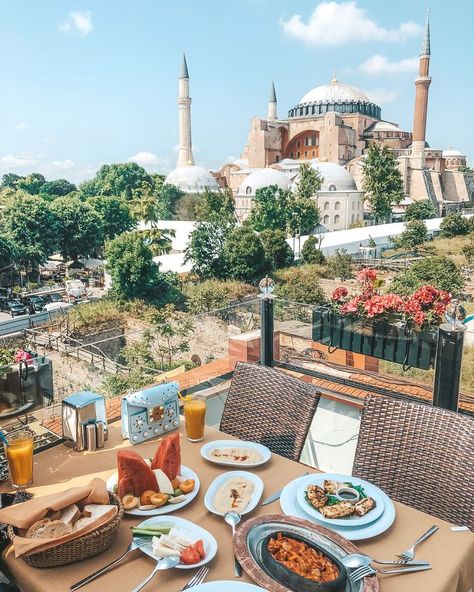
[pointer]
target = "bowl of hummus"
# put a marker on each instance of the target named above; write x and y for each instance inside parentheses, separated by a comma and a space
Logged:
(234, 490)
(236, 453)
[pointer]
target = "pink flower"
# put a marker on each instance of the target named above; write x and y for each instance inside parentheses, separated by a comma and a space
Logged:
(366, 276)
(352, 306)
(339, 293)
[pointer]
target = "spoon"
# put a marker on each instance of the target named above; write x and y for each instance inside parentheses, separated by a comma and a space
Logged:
(165, 563)
(360, 560)
(233, 518)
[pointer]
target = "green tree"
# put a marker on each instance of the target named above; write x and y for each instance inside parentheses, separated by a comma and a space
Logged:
(52, 189)
(244, 256)
(145, 208)
(114, 213)
(217, 206)
(414, 235)
(32, 183)
(32, 228)
(129, 261)
(270, 209)
(278, 252)
(9, 181)
(382, 181)
(168, 197)
(466, 169)
(171, 333)
(339, 265)
(205, 249)
(420, 210)
(7, 252)
(453, 225)
(311, 253)
(302, 215)
(80, 230)
(468, 251)
(117, 179)
(310, 182)
(439, 271)
(300, 284)
(189, 207)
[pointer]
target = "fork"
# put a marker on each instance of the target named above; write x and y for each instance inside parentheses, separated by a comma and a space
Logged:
(409, 554)
(368, 570)
(197, 579)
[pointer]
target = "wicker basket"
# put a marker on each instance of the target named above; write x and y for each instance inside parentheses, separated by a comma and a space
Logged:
(78, 549)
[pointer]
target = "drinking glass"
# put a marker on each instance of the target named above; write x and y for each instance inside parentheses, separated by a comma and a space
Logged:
(194, 418)
(20, 458)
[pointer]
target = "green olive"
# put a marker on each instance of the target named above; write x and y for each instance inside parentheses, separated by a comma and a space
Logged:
(177, 492)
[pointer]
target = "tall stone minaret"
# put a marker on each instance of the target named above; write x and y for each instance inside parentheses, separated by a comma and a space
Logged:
(422, 84)
(185, 154)
(272, 104)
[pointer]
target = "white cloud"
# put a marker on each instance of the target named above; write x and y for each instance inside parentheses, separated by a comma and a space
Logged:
(21, 125)
(378, 64)
(231, 158)
(18, 161)
(27, 162)
(80, 21)
(381, 96)
(333, 23)
(148, 159)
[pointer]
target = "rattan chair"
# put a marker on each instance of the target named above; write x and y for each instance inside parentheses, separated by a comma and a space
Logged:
(270, 407)
(419, 455)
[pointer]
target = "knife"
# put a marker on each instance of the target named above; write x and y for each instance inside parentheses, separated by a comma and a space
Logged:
(277, 494)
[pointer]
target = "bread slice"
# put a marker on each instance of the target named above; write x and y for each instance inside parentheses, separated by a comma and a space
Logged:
(70, 515)
(50, 529)
(95, 514)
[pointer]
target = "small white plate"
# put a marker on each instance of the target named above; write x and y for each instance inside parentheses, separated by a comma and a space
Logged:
(188, 528)
(260, 448)
(227, 585)
(290, 507)
(318, 478)
(186, 473)
(218, 481)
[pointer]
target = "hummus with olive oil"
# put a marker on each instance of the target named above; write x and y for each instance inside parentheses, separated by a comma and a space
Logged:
(235, 494)
(239, 456)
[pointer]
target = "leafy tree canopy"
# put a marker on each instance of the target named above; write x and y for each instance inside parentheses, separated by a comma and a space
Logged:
(31, 183)
(439, 271)
(414, 235)
(32, 227)
(310, 182)
(9, 181)
(217, 206)
(454, 224)
(114, 213)
(302, 215)
(311, 253)
(277, 251)
(270, 209)
(7, 252)
(339, 265)
(80, 230)
(168, 197)
(117, 179)
(205, 249)
(244, 255)
(382, 181)
(52, 189)
(420, 210)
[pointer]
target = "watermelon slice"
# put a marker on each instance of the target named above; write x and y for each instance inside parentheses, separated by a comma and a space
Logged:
(134, 475)
(168, 457)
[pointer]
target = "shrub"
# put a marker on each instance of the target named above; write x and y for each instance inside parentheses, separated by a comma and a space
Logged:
(214, 294)
(277, 251)
(244, 256)
(414, 235)
(339, 265)
(310, 253)
(420, 210)
(439, 272)
(454, 225)
(300, 284)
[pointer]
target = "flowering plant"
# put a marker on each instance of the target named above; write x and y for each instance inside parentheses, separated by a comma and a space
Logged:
(426, 306)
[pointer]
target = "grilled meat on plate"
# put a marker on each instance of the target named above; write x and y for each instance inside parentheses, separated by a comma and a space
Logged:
(331, 486)
(364, 506)
(338, 510)
(316, 496)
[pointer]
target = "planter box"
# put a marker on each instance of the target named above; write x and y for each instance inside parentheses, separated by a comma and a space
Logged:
(394, 342)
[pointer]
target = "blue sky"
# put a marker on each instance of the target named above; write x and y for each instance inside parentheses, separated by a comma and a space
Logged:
(88, 82)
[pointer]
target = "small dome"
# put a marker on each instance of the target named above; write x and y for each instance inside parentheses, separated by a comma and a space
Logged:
(192, 179)
(451, 153)
(383, 126)
(335, 177)
(263, 178)
(335, 92)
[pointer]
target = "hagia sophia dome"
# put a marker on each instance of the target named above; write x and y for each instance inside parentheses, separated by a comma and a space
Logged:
(263, 178)
(335, 177)
(192, 179)
(335, 96)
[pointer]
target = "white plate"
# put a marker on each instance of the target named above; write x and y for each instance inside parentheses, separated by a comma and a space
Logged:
(263, 450)
(222, 585)
(188, 528)
(290, 507)
(218, 481)
(318, 478)
(186, 473)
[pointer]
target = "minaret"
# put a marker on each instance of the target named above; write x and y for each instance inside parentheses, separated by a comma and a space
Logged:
(272, 105)
(422, 84)
(185, 154)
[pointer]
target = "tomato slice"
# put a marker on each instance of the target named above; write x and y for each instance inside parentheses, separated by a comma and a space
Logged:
(189, 556)
(199, 547)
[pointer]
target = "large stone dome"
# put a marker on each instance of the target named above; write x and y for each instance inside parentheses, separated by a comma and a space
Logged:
(192, 179)
(263, 178)
(335, 177)
(335, 96)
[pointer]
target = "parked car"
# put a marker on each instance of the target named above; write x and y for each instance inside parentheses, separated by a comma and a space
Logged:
(54, 297)
(13, 306)
(57, 306)
(34, 303)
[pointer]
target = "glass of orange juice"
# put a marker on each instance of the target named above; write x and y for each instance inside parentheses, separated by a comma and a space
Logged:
(194, 418)
(20, 458)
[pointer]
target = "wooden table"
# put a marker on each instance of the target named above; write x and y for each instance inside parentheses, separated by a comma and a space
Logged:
(450, 553)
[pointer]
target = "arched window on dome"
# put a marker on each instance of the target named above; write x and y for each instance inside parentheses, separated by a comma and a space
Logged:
(326, 205)
(326, 219)
(337, 206)
(332, 187)
(337, 219)
(248, 190)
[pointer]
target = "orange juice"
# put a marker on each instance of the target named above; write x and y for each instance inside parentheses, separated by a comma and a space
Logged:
(194, 416)
(20, 458)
